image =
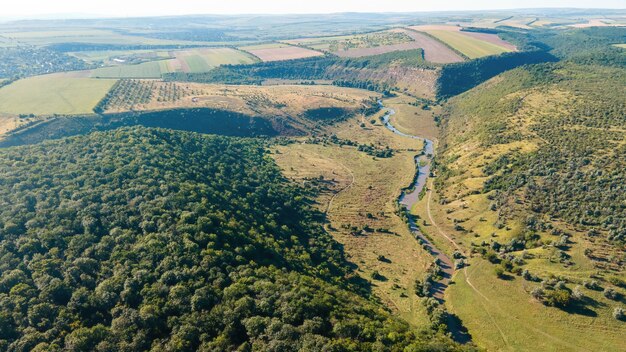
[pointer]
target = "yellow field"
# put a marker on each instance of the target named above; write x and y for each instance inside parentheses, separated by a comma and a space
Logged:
(53, 94)
(470, 47)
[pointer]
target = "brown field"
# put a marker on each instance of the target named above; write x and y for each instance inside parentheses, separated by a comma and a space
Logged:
(283, 53)
(434, 51)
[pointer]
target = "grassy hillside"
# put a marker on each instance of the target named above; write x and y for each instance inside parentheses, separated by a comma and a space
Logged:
(531, 177)
(142, 239)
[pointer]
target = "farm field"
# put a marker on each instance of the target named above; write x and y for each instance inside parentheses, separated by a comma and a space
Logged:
(48, 36)
(434, 51)
(355, 185)
(151, 69)
(193, 60)
(204, 59)
(53, 94)
(107, 56)
(279, 52)
(621, 45)
(472, 45)
(275, 100)
(595, 22)
(359, 45)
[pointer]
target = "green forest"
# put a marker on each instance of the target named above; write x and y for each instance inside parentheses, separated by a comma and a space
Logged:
(144, 239)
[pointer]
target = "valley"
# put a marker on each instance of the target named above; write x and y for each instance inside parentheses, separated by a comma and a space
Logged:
(342, 182)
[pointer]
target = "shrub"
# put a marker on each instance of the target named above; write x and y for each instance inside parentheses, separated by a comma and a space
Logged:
(557, 298)
(618, 313)
(577, 294)
(611, 293)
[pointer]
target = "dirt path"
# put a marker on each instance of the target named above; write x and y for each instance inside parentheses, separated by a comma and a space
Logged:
(486, 302)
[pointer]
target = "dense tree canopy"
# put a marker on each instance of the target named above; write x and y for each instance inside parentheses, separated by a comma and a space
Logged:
(145, 239)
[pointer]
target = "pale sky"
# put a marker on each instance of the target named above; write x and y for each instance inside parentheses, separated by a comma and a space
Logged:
(123, 8)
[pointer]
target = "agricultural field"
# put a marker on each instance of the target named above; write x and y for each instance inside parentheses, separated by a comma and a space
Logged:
(359, 45)
(48, 36)
(596, 22)
(114, 57)
(151, 69)
(204, 59)
(470, 44)
(61, 93)
(279, 52)
(275, 100)
(621, 45)
(189, 61)
(434, 50)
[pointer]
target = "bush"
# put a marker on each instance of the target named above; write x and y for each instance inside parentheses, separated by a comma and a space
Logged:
(618, 313)
(557, 298)
(499, 272)
(611, 293)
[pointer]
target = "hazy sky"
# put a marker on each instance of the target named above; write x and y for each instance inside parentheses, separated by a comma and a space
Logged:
(20, 8)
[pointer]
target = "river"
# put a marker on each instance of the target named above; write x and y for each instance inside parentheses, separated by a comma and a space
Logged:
(411, 195)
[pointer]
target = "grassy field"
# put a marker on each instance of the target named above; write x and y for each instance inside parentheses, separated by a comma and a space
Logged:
(469, 46)
(53, 94)
(412, 119)
(152, 69)
(357, 185)
(501, 316)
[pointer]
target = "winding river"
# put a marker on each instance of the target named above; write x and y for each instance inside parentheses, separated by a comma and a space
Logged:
(411, 195)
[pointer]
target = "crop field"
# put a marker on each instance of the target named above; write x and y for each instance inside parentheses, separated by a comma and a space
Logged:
(358, 45)
(53, 94)
(204, 59)
(358, 193)
(276, 100)
(596, 22)
(621, 45)
(434, 50)
(47, 36)
(107, 56)
(472, 45)
(194, 60)
(279, 52)
(152, 69)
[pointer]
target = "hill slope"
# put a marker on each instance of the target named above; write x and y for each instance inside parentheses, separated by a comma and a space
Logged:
(146, 239)
(531, 177)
